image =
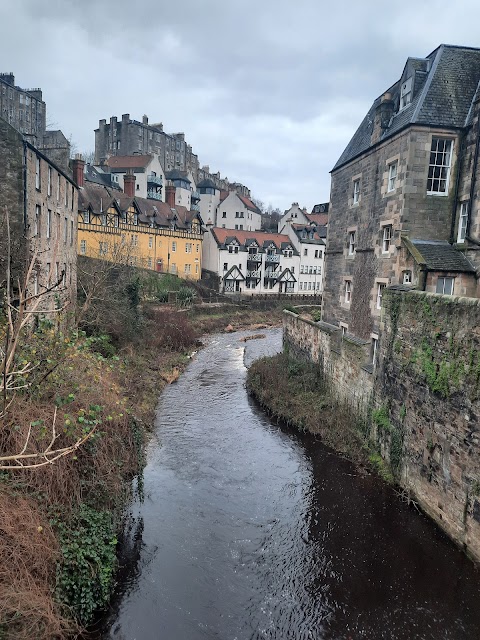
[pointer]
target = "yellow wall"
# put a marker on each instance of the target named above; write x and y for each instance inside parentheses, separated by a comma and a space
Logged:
(164, 250)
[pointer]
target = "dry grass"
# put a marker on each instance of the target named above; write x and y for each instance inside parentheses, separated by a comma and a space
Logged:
(296, 393)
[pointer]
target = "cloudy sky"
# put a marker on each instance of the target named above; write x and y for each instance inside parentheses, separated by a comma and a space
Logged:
(267, 91)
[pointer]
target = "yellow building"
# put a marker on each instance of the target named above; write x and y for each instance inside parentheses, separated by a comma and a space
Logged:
(139, 231)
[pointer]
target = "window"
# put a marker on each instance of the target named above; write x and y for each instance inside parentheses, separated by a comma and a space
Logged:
(407, 277)
(344, 328)
(445, 286)
(356, 191)
(135, 240)
(305, 252)
(387, 238)
(49, 182)
(174, 268)
(86, 217)
(373, 350)
(241, 227)
(71, 232)
(351, 243)
(58, 187)
(65, 230)
(236, 227)
(72, 194)
(174, 246)
(406, 93)
(103, 248)
(37, 173)
(462, 222)
(49, 223)
(301, 286)
(392, 176)
(224, 214)
(150, 263)
(225, 266)
(301, 268)
(64, 275)
(380, 288)
(188, 268)
(188, 247)
(348, 291)
(150, 242)
(83, 247)
(198, 248)
(439, 168)
(38, 221)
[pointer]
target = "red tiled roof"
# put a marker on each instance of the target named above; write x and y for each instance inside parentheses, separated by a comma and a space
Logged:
(319, 218)
(242, 236)
(128, 162)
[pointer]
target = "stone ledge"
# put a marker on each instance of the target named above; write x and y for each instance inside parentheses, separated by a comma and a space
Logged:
(348, 337)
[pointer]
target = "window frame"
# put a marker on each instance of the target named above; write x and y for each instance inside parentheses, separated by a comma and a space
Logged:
(356, 191)
(462, 222)
(392, 179)
(447, 167)
(450, 279)
(352, 237)
(380, 288)
(347, 291)
(386, 247)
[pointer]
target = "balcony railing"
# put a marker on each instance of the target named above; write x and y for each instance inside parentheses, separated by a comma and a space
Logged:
(151, 179)
(272, 257)
(195, 196)
(254, 274)
(254, 257)
(194, 207)
(271, 275)
(154, 195)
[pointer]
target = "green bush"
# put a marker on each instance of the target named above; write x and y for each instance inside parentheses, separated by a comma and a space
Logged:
(185, 296)
(85, 573)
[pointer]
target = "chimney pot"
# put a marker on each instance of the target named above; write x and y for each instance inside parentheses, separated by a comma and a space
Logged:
(170, 195)
(78, 166)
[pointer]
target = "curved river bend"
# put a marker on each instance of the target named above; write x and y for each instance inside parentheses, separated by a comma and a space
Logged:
(250, 531)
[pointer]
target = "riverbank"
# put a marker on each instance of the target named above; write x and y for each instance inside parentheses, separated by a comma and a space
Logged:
(296, 393)
(61, 522)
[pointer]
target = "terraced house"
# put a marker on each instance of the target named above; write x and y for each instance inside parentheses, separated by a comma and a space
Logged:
(120, 227)
(401, 193)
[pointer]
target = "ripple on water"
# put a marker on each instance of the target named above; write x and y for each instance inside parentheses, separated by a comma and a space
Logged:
(251, 531)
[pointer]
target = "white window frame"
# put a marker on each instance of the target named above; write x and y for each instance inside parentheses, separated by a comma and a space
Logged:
(444, 280)
(344, 328)
(352, 236)
(392, 176)
(380, 287)
(37, 173)
(407, 277)
(374, 348)
(387, 237)
(49, 181)
(174, 246)
(356, 191)
(441, 164)
(406, 93)
(462, 222)
(347, 294)
(83, 247)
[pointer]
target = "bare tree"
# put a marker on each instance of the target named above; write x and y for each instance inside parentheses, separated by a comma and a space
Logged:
(21, 305)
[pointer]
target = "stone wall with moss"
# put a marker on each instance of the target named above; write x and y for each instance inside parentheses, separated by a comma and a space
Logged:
(427, 397)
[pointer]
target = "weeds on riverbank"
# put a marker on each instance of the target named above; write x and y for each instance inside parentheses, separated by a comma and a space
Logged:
(297, 393)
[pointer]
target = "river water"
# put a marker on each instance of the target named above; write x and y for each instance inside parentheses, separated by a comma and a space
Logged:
(250, 531)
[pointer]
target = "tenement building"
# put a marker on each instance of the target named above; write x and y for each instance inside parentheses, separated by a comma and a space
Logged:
(404, 194)
(26, 111)
(123, 228)
(40, 200)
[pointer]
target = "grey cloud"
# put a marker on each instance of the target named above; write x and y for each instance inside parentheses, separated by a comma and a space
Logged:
(216, 69)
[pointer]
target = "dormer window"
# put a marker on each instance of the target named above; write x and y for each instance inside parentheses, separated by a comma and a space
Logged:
(406, 93)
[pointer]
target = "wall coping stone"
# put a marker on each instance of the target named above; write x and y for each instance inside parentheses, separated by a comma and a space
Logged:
(348, 337)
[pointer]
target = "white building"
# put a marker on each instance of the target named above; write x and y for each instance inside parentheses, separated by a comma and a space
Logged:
(209, 200)
(236, 211)
(186, 194)
(149, 175)
(297, 215)
(252, 262)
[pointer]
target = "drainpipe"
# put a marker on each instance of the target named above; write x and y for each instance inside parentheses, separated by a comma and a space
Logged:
(472, 184)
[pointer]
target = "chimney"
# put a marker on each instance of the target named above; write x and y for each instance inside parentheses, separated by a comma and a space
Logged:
(145, 119)
(382, 117)
(78, 166)
(170, 196)
(129, 184)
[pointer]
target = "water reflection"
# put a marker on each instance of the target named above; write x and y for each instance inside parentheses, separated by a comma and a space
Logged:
(251, 531)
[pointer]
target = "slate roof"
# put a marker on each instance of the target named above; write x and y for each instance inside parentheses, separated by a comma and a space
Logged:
(207, 183)
(442, 96)
(100, 198)
(177, 175)
(300, 228)
(439, 255)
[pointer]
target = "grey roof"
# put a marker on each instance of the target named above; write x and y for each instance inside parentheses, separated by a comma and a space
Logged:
(441, 256)
(207, 183)
(445, 84)
(175, 174)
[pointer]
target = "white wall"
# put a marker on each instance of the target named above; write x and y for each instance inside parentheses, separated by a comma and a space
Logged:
(232, 213)
(141, 178)
(295, 214)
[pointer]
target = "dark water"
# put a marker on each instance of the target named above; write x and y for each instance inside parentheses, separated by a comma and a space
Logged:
(251, 531)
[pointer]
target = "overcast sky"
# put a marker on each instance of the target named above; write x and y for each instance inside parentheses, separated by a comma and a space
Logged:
(267, 91)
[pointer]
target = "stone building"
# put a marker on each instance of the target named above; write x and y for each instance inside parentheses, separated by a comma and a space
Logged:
(395, 190)
(127, 137)
(26, 111)
(41, 200)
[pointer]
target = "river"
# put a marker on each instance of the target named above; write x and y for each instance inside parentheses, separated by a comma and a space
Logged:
(249, 530)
